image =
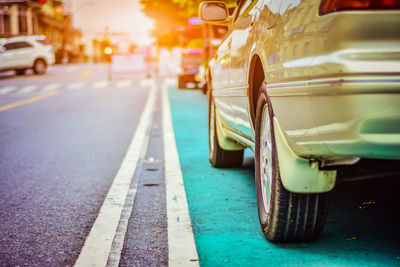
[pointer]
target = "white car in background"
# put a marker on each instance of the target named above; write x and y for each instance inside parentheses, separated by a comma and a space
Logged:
(26, 52)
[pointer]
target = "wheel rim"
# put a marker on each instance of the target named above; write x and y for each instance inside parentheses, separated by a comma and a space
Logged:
(40, 66)
(212, 127)
(266, 159)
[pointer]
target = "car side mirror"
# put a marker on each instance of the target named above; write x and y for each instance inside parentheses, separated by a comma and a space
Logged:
(214, 12)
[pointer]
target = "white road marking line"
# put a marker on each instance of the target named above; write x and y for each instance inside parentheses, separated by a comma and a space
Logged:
(71, 69)
(75, 86)
(181, 245)
(27, 89)
(100, 84)
(170, 81)
(124, 83)
(51, 87)
(7, 89)
(147, 82)
(118, 242)
(98, 243)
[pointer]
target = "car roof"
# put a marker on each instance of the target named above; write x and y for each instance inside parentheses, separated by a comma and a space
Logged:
(25, 38)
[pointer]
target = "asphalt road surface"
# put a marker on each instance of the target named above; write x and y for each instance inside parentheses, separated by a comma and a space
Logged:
(90, 174)
(58, 158)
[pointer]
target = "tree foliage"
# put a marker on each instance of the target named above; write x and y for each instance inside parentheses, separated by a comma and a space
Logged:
(169, 16)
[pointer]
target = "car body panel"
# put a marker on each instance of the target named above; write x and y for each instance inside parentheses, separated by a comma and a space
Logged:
(298, 174)
(333, 80)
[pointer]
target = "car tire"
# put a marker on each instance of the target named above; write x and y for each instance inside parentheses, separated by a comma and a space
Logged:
(181, 82)
(39, 67)
(20, 71)
(284, 216)
(204, 89)
(219, 157)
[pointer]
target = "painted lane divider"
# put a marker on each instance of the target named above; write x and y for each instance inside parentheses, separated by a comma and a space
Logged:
(75, 86)
(98, 244)
(182, 248)
(124, 83)
(27, 101)
(27, 89)
(118, 242)
(71, 69)
(100, 84)
(7, 89)
(51, 87)
(146, 82)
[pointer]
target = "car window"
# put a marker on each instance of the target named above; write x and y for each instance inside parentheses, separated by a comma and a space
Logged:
(10, 46)
(17, 45)
(21, 45)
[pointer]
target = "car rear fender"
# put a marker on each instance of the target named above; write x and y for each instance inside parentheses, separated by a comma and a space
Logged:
(298, 174)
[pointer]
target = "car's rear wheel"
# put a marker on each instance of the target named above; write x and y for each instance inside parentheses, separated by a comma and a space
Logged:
(204, 89)
(40, 66)
(219, 157)
(284, 216)
(20, 71)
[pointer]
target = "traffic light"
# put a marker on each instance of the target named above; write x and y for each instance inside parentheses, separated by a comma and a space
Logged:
(108, 52)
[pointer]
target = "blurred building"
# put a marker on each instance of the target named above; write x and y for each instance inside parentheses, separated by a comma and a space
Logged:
(51, 18)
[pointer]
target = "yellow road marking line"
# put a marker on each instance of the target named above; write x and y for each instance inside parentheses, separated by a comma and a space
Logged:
(85, 74)
(99, 67)
(27, 101)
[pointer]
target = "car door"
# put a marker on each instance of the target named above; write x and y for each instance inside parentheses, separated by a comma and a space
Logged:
(8, 59)
(18, 54)
(221, 66)
(221, 83)
(244, 35)
(2, 57)
(24, 53)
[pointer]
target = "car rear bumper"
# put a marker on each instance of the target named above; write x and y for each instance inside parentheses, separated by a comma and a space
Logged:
(51, 59)
(340, 117)
(188, 77)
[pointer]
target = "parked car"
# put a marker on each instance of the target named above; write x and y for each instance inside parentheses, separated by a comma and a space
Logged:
(190, 63)
(26, 52)
(310, 86)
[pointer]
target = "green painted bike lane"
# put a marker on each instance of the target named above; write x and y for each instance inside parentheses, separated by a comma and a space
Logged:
(361, 229)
